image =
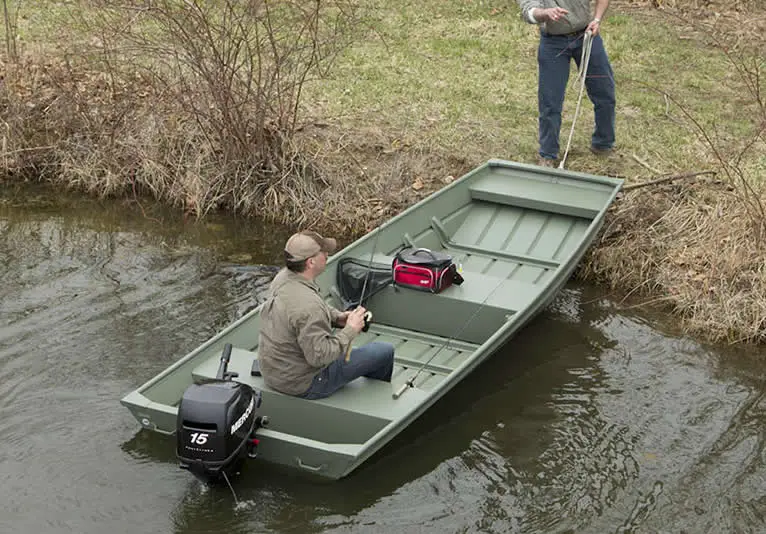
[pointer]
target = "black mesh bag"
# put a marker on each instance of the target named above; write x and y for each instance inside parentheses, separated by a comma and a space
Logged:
(351, 280)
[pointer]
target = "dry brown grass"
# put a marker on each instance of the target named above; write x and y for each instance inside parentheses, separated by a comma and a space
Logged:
(194, 104)
(87, 133)
(122, 142)
(690, 248)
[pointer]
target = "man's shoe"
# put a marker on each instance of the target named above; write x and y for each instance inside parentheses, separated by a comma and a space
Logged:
(546, 162)
(601, 151)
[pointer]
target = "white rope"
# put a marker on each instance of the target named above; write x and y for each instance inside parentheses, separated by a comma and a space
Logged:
(587, 44)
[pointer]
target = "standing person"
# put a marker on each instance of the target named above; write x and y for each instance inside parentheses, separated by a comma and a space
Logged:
(298, 351)
(563, 24)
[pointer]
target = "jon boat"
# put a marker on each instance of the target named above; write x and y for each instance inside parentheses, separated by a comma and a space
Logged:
(517, 230)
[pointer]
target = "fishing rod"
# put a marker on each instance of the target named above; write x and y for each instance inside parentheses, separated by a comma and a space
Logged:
(411, 382)
(369, 266)
(367, 276)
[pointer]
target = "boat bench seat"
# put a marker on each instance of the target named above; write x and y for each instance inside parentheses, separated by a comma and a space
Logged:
(354, 412)
(568, 197)
(470, 312)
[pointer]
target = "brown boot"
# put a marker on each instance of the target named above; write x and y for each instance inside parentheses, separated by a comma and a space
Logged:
(601, 152)
(546, 162)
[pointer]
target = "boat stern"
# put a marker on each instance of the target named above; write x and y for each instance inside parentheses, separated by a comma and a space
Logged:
(152, 416)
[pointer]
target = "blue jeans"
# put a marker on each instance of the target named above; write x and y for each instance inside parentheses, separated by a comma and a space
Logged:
(374, 360)
(553, 59)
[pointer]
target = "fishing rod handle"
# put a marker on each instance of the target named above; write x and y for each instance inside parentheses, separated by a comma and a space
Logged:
(399, 392)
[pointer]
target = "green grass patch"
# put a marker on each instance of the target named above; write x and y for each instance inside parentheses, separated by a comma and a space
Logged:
(462, 76)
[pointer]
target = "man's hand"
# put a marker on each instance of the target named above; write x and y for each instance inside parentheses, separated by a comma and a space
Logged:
(355, 319)
(551, 14)
(594, 27)
(341, 319)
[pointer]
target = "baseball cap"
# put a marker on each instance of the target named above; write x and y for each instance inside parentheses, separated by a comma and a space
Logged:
(306, 244)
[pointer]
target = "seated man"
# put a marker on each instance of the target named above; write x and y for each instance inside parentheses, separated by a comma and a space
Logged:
(299, 352)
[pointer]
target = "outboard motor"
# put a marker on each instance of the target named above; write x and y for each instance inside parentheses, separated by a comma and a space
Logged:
(216, 424)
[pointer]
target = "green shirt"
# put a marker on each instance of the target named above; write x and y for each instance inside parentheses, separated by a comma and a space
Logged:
(296, 334)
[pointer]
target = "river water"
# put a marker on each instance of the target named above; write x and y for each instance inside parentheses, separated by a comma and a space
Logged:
(596, 418)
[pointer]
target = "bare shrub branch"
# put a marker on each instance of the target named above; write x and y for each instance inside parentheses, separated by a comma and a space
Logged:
(237, 68)
(11, 18)
(218, 86)
(748, 67)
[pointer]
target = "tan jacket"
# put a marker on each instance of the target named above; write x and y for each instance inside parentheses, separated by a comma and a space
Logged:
(296, 336)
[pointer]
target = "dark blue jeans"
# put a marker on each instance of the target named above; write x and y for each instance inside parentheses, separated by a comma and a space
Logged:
(374, 360)
(553, 60)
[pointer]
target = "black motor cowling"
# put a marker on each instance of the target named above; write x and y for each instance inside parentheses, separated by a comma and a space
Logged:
(216, 424)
